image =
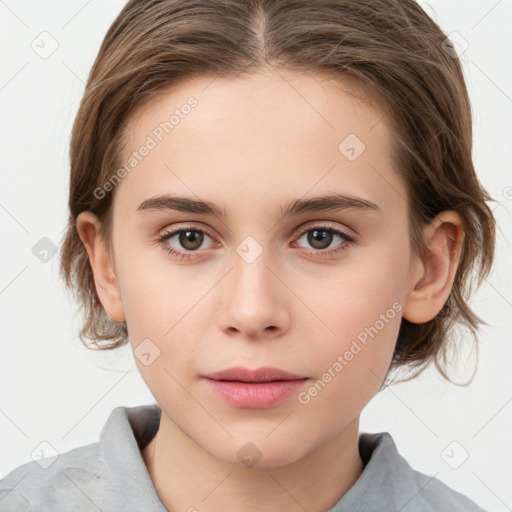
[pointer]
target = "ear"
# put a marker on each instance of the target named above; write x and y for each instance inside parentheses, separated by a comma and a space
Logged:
(433, 274)
(102, 266)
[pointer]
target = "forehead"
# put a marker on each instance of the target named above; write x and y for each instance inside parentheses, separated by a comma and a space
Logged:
(271, 136)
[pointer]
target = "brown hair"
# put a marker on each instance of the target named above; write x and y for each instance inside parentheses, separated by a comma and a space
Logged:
(390, 48)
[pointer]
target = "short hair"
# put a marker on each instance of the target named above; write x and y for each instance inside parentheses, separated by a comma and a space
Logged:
(391, 49)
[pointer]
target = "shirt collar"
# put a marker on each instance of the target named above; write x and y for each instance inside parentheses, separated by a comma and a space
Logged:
(129, 429)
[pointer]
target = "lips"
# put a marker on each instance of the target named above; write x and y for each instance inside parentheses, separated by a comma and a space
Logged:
(260, 388)
(264, 374)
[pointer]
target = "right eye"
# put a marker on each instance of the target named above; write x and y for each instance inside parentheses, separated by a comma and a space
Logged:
(189, 238)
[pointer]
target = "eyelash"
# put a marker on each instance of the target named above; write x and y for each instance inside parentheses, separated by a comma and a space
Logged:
(348, 239)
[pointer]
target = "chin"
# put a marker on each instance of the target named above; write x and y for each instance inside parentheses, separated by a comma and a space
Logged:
(259, 453)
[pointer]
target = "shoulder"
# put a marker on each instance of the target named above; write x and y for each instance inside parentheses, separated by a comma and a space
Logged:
(76, 480)
(433, 494)
(109, 475)
(420, 492)
(388, 478)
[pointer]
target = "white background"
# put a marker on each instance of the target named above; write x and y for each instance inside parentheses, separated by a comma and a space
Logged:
(53, 389)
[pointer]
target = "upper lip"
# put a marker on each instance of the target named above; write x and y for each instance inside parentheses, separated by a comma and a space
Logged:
(263, 374)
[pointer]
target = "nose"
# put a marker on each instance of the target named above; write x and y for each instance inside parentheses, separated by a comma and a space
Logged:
(254, 301)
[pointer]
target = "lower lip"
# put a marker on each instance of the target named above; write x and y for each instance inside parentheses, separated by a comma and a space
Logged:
(255, 395)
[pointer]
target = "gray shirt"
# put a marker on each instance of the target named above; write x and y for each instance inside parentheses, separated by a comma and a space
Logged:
(110, 475)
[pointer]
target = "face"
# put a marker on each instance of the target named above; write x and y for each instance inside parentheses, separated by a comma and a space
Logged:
(279, 280)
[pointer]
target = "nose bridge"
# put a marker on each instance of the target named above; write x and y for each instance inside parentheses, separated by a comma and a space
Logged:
(251, 273)
(253, 295)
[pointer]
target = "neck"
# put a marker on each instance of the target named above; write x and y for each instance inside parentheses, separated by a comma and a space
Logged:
(186, 477)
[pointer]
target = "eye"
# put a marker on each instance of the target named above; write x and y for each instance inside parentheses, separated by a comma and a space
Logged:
(189, 239)
(321, 237)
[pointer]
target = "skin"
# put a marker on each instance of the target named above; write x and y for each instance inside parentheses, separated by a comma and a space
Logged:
(252, 144)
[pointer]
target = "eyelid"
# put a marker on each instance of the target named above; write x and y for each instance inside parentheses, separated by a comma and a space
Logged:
(175, 229)
(327, 225)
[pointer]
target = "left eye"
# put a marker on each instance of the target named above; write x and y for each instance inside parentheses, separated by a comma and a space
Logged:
(321, 237)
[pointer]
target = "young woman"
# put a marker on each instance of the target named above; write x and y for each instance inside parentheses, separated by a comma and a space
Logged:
(274, 203)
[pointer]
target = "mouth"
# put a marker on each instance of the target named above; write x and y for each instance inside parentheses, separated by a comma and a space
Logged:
(264, 374)
(259, 388)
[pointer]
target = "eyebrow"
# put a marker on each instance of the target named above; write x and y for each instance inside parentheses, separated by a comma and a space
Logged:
(329, 202)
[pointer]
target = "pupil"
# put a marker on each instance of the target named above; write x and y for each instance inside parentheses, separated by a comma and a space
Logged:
(322, 236)
(191, 239)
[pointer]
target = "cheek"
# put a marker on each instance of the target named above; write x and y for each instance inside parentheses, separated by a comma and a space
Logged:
(350, 369)
(360, 313)
(354, 300)
(155, 293)
(166, 310)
